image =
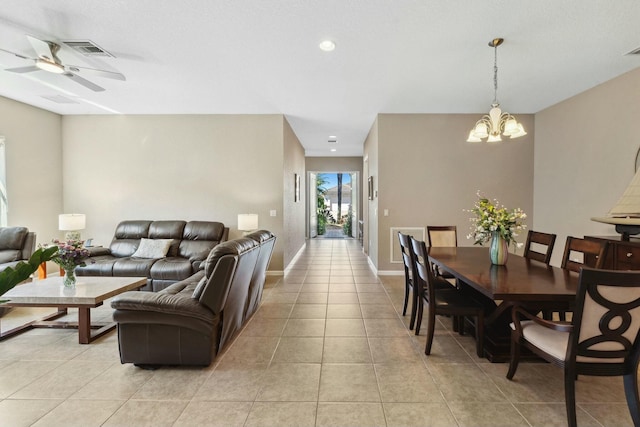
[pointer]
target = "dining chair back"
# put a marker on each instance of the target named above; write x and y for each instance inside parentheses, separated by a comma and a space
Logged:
(405, 248)
(539, 246)
(602, 339)
(444, 299)
(590, 253)
(442, 235)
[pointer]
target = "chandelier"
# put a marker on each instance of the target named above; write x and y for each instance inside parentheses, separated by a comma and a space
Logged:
(491, 125)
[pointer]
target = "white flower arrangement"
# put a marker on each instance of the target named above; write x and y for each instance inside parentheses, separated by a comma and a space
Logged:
(490, 217)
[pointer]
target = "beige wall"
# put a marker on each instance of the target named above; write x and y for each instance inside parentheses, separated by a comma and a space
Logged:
(429, 174)
(584, 158)
(191, 167)
(34, 167)
(294, 211)
(370, 169)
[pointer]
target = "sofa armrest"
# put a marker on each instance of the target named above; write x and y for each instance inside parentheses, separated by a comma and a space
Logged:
(174, 304)
(98, 250)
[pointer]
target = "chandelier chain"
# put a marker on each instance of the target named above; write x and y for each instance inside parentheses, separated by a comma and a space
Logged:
(495, 75)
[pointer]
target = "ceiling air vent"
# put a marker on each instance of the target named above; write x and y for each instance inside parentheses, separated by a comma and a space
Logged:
(60, 99)
(87, 48)
(634, 52)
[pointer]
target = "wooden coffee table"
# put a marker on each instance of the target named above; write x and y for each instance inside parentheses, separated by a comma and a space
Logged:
(88, 293)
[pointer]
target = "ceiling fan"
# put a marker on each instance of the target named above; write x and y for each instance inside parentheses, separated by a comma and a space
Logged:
(48, 60)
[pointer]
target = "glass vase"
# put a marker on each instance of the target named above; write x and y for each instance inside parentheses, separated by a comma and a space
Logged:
(499, 249)
(69, 279)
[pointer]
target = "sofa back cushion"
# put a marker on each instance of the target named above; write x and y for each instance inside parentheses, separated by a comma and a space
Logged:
(168, 230)
(198, 238)
(219, 269)
(12, 237)
(127, 237)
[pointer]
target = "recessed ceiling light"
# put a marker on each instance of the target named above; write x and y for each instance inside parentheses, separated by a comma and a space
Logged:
(327, 45)
(333, 150)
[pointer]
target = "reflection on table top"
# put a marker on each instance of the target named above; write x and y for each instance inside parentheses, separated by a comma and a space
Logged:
(520, 279)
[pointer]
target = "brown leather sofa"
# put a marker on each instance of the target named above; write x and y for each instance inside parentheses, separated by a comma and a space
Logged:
(16, 244)
(191, 243)
(189, 322)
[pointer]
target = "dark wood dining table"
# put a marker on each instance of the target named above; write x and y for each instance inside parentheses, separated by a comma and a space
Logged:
(521, 281)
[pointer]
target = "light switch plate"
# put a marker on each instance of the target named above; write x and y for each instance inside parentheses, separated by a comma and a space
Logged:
(272, 212)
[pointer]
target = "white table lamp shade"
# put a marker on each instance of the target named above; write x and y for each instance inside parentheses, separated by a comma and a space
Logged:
(247, 222)
(71, 222)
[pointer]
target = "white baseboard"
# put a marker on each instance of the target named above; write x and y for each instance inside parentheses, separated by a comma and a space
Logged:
(390, 273)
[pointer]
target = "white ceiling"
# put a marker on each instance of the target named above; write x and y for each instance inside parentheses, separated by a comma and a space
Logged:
(262, 57)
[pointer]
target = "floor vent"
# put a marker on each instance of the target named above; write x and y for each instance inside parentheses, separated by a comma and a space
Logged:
(87, 48)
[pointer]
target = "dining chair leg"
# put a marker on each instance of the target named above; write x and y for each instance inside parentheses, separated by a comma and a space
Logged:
(515, 356)
(632, 394)
(431, 324)
(480, 335)
(570, 396)
(406, 299)
(415, 306)
(418, 319)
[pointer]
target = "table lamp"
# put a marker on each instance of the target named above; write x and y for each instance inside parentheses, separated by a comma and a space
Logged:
(72, 224)
(247, 222)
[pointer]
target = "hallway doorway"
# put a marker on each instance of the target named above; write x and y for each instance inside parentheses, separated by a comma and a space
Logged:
(333, 205)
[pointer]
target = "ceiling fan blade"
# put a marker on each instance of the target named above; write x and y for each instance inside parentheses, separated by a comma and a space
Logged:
(96, 72)
(42, 48)
(16, 54)
(27, 69)
(84, 82)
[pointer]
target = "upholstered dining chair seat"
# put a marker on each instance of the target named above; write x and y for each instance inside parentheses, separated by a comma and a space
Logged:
(555, 343)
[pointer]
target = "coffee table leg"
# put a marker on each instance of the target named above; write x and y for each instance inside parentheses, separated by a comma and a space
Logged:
(84, 325)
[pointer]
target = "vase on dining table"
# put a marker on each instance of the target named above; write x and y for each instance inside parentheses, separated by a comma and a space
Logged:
(69, 279)
(498, 249)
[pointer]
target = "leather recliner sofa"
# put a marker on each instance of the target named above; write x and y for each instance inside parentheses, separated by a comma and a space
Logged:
(190, 244)
(16, 244)
(189, 322)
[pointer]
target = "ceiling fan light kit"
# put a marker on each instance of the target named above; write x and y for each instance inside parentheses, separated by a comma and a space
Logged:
(47, 60)
(49, 66)
(491, 125)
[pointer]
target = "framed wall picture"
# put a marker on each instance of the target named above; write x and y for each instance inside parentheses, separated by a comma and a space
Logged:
(370, 188)
(296, 196)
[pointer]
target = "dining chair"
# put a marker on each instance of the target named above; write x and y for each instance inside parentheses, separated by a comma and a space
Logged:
(591, 253)
(442, 236)
(577, 254)
(601, 340)
(409, 290)
(451, 301)
(536, 241)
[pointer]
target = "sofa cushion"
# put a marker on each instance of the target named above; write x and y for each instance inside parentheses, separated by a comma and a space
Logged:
(8, 255)
(152, 248)
(199, 238)
(171, 268)
(127, 237)
(168, 230)
(12, 237)
(101, 265)
(135, 267)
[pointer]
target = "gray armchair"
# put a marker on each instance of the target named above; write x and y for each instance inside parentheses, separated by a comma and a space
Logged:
(16, 244)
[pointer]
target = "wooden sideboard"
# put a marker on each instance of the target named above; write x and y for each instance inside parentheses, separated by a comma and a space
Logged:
(621, 255)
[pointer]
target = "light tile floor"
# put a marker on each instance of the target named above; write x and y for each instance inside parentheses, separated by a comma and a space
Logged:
(326, 348)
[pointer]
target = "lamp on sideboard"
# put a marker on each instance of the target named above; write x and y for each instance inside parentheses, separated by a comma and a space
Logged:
(247, 222)
(72, 224)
